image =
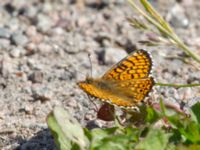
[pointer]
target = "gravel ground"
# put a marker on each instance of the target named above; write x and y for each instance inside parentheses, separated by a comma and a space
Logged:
(44, 47)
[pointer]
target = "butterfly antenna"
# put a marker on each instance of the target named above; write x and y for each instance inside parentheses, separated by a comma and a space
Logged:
(89, 57)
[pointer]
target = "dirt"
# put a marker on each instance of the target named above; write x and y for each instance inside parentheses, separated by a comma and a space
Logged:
(44, 47)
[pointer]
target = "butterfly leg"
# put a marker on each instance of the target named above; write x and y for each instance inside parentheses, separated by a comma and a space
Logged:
(96, 108)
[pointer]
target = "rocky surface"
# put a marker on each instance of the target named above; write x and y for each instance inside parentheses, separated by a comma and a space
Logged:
(44, 47)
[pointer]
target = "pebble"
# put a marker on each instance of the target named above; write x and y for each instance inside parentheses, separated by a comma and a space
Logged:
(31, 48)
(71, 44)
(33, 35)
(4, 43)
(42, 93)
(177, 17)
(36, 77)
(31, 12)
(68, 75)
(72, 103)
(31, 31)
(44, 23)
(5, 33)
(113, 55)
(6, 67)
(28, 109)
(33, 64)
(89, 115)
(187, 3)
(13, 24)
(44, 48)
(19, 39)
(16, 52)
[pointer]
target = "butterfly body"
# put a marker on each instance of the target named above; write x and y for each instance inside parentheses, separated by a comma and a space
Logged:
(125, 84)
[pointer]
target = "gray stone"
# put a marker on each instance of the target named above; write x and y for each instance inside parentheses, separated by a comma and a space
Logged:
(113, 55)
(33, 64)
(44, 23)
(177, 17)
(17, 52)
(5, 33)
(31, 12)
(6, 67)
(71, 44)
(19, 39)
(36, 77)
(41, 93)
(4, 43)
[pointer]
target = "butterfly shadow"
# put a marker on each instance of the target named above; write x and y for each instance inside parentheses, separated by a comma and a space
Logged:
(41, 140)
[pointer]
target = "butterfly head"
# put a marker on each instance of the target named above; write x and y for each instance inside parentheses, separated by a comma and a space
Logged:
(88, 81)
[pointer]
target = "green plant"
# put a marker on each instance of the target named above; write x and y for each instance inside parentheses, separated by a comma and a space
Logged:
(178, 132)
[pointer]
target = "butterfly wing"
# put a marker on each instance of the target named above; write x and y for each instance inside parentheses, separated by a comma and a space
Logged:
(126, 83)
(135, 66)
(133, 91)
(127, 93)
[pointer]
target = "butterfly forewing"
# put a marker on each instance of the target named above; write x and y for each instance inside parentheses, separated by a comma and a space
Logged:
(135, 66)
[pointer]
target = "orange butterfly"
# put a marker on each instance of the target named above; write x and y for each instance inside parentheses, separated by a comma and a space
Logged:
(126, 84)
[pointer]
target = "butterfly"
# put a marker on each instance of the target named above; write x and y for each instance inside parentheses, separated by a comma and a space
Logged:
(126, 84)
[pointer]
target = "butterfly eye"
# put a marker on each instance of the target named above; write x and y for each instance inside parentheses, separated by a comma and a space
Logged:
(89, 81)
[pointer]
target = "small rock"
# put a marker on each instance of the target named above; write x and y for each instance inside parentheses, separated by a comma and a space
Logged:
(69, 74)
(187, 3)
(175, 67)
(6, 66)
(44, 23)
(13, 24)
(31, 48)
(5, 33)
(19, 39)
(177, 17)
(33, 35)
(4, 43)
(89, 116)
(31, 12)
(31, 31)
(41, 93)
(33, 64)
(58, 31)
(113, 55)
(36, 77)
(185, 93)
(17, 52)
(72, 103)
(44, 48)
(28, 109)
(71, 44)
